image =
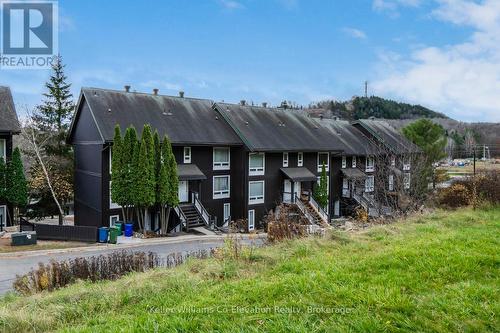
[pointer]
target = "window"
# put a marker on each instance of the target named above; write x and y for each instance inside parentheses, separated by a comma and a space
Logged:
(256, 164)
(391, 182)
(345, 187)
(370, 164)
(255, 192)
(285, 160)
(251, 220)
(406, 164)
(3, 149)
(406, 180)
(344, 162)
(221, 187)
(221, 158)
(187, 155)
(110, 159)
(354, 161)
(112, 205)
(369, 184)
(300, 159)
(113, 219)
(393, 160)
(227, 212)
(323, 158)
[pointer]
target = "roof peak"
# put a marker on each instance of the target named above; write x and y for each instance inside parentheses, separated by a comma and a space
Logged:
(146, 94)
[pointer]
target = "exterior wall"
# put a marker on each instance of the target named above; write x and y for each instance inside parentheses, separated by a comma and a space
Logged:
(88, 149)
(8, 146)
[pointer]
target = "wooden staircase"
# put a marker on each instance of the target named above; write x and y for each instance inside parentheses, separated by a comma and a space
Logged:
(193, 218)
(317, 219)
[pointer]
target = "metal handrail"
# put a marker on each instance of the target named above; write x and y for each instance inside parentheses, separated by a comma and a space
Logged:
(319, 209)
(304, 210)
(182, 217)
(205, 216)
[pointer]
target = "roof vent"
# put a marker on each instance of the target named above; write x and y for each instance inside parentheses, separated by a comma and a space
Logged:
(155, 91)
(109, 110)
(181, 94)
(127, 88)
(243, 102)
(264, 104)
(246, 123)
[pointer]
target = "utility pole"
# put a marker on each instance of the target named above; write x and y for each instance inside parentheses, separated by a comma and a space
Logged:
(474, 157)
(366, 89)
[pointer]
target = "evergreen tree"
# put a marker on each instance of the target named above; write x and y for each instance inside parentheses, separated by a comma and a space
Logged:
(129, 152)
(117, 186)
(3, 185)
(321, 191)
(144, 186)
(430, 137)
(17, 194)
(168, 185)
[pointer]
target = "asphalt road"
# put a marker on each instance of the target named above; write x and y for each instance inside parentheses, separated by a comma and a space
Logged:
(17, 265)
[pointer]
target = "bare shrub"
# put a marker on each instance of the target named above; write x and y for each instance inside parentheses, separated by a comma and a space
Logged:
(56, 274)
(455, 196)
(288, 223)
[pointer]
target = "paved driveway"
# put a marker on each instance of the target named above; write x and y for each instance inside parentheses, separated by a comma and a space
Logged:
(14, 264)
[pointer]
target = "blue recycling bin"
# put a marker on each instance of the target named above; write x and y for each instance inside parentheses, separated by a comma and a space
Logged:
(103, 235)
(129, 229)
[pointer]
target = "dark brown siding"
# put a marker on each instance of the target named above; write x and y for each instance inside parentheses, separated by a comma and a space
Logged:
(8, 146)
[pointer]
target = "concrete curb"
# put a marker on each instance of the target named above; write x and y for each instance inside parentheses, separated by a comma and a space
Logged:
(103, 247)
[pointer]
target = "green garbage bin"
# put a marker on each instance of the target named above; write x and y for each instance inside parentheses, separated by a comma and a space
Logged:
(119, 225)
(114, 232)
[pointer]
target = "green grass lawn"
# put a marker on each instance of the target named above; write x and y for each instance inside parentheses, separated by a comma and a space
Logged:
(438, 272)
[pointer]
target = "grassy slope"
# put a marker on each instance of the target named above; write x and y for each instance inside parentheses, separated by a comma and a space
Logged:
(434, 273)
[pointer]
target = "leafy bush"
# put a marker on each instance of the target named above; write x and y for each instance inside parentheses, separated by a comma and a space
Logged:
(287, 223)
(455, 196)
(57, 274)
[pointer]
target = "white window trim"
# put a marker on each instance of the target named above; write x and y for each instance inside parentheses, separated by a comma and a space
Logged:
(258, 199)
(344, 162)
(285, 160)
(4, 221)
(300, 159)
(393, 160)
(370, 186)
(391, 182)
(354, 161)
(111, 224)
(228, 205)
(222, 165)
(3, 143)
(186, 157)
(110, 160)
(370, 166)
(251, 226)
(406, 180)
(257, 171)
(327, 164)
(222, 195)
(406, 165)
(112, 205)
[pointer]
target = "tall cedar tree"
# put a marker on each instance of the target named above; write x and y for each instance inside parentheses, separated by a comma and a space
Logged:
(129, 151)
(144, 180)
(17, 194)
(117, 179)
(168, 184)
(321, 192)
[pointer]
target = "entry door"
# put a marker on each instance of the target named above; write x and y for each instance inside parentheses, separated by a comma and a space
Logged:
(183, 191)
(297, 188)
(287, 191)
(227, 212)
(3, 216)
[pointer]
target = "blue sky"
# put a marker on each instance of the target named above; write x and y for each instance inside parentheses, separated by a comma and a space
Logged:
(443, 54)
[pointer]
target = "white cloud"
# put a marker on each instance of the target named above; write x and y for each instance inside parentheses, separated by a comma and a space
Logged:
(461, 80)
(354, 33)
(231, 4)
(392, 6)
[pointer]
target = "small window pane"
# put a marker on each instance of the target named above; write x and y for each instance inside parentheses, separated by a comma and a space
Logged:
(257, 161)
(256, 189)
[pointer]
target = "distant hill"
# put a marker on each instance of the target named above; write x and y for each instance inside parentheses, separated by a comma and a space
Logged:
(366, 107)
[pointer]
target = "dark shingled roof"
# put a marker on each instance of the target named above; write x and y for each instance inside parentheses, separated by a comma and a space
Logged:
(389, 136)
(271, 129)
(184, 120)
(8, 117)
(300, 174)
(190, 172)
(356, 143)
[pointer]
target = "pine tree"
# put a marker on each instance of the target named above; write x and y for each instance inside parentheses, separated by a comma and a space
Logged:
(17, 194)
(321, 191)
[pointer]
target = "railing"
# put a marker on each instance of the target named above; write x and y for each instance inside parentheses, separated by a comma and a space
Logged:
(319, 209)
(346, 193)
(205, 216)
(182, 217)
(303, 209)
(361, 200)
(287, 197)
